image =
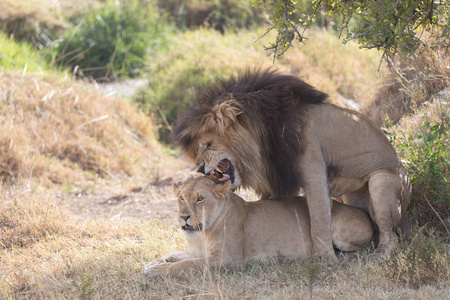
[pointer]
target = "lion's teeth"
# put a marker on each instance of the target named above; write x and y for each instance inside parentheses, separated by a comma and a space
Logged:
(225, 177)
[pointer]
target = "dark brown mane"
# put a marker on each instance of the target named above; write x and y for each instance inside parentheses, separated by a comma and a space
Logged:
(270, 100)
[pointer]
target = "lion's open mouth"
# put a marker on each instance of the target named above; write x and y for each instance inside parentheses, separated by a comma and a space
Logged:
(223, 171)
(188, 227)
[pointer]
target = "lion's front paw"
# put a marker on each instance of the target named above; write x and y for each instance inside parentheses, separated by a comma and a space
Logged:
(156, 269)
(326, 257)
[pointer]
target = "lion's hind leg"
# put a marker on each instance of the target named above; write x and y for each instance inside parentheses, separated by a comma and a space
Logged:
(386, 204)
(351, 228)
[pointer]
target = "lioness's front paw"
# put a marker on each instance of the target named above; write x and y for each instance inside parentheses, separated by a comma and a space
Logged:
(153, 270)
(157, 261)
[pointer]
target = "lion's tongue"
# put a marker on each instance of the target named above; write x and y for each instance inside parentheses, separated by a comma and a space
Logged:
(224, 165)
(220, 170)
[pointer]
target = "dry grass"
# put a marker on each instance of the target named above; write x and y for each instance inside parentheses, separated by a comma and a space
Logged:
(339, 70)
(49, 253)
(409, 83)
(56, 131)
(37, 21)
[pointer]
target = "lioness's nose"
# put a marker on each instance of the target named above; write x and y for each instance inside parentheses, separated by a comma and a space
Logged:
(201, 169)
(185, 218)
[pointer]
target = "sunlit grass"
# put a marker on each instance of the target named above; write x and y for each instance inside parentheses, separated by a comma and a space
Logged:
(49, 253)
(21, 56)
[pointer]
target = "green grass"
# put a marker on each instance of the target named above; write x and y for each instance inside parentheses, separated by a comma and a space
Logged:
(21, 56)
(114, 42)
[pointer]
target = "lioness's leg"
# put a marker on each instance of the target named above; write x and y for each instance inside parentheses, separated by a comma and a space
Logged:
(351, 228)
(170, 258)
(359, 198)
(190, 264)
(385, 206)
(175, 268)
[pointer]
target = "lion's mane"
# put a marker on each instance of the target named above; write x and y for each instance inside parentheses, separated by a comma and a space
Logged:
(259, 116)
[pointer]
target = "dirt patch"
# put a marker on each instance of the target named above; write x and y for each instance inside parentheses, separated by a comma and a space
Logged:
(154, 201)
(146, 202)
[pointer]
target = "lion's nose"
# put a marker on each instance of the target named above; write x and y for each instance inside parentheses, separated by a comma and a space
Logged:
(185, 218)
(201, 169)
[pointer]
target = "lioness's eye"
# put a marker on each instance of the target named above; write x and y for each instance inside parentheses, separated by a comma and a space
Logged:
(200, 199)
(181, 199)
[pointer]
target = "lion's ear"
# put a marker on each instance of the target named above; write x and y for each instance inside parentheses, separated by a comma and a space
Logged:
(221, 189)
(225, 113)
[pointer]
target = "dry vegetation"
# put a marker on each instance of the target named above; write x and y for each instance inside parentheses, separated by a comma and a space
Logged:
(409, 83)
(48, 252)
(55, 130)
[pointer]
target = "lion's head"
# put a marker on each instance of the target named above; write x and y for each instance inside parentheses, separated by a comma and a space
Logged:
(248, 130)
(200, 202)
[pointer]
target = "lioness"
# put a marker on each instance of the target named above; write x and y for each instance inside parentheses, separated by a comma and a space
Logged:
(277, 134)
(222, 229)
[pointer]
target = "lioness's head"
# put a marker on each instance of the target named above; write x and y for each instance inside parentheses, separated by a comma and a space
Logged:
(200, 202)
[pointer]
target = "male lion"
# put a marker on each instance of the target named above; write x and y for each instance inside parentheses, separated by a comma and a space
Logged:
(276, 134)
(222, 229)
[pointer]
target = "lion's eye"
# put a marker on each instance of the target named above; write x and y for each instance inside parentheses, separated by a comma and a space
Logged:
(208, 145)
(200, 199)
(181, 199)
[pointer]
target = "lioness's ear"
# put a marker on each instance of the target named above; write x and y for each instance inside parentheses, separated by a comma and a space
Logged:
(221, 189)
(224, 114)
(176, 187)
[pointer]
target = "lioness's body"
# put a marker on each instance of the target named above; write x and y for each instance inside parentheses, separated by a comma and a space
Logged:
(276, 134)
(234, 231)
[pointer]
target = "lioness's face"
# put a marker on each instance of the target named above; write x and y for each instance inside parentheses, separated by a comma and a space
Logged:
(214, 158)
(200, 202)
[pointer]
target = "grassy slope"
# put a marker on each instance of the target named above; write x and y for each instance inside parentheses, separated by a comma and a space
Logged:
(55, 130)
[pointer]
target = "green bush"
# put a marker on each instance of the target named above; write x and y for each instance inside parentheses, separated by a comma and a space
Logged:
(116, 41)
(424, 148)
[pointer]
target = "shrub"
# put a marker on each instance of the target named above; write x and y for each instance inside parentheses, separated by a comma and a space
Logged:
(423, 142)
(113, 42)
